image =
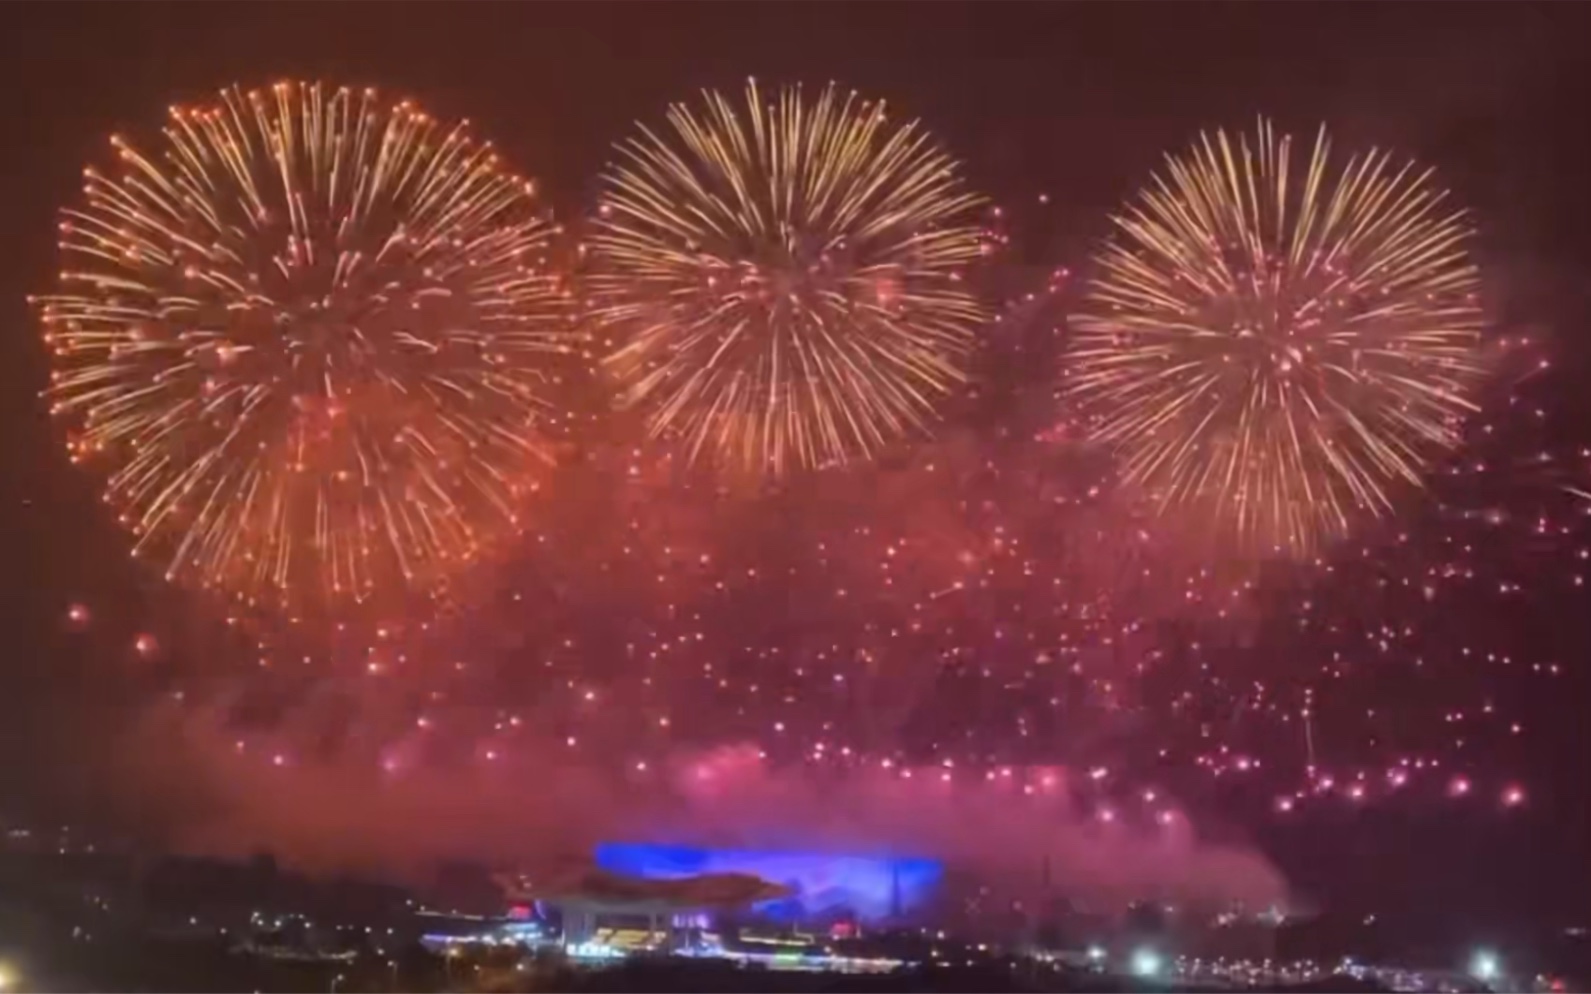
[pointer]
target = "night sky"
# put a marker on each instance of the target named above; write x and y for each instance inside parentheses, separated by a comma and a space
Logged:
(1076, 103)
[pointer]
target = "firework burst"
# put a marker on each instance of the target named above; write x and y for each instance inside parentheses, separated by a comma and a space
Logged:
(1280, 341)
(784, 279)
(313, 338)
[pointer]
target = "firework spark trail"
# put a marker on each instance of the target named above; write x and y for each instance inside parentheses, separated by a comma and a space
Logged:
(785, 278)
(313, 338)
(1281, 343)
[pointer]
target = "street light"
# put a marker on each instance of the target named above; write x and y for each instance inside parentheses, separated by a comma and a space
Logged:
(1483, 966)
(1145, 963)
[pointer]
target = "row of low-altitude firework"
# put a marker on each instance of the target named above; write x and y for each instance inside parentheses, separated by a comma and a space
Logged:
(320, 342)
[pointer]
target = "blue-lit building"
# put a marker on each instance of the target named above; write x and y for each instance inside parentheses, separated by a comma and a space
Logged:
(823, 887)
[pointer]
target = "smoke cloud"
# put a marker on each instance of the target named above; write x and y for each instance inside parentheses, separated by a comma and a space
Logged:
(1011, 829)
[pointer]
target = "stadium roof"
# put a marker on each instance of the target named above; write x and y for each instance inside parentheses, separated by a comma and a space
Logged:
(590, 885)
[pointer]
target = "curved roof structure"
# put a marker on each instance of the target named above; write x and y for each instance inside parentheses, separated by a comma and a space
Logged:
(591, 885)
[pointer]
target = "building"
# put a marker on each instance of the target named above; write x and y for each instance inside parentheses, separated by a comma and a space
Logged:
(818, 889)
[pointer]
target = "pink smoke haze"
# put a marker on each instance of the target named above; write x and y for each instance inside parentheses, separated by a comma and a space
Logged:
(397, 817)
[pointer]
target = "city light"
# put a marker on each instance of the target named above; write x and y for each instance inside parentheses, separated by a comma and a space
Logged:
(1145, 963)
(1484, 966)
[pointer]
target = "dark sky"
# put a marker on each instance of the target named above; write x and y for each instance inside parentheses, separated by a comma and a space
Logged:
(1076, 100)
